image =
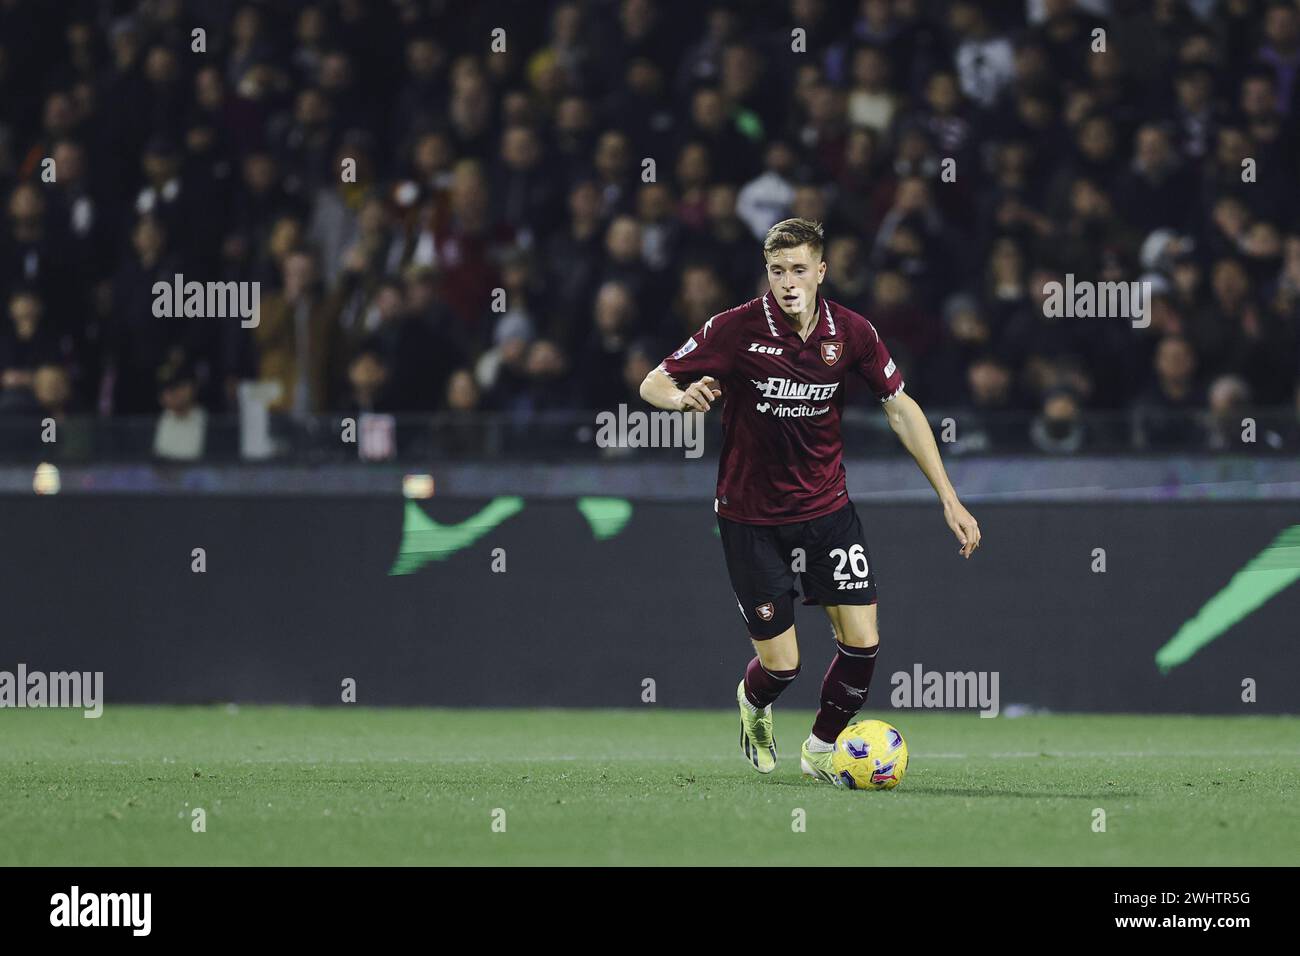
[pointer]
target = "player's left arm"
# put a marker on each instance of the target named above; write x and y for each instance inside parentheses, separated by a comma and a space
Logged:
(908, 422)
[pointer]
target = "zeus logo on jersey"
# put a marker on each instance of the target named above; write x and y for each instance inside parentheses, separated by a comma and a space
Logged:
(765, 349)
(792, 391)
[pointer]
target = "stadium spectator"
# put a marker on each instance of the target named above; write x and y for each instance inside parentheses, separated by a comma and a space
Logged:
(985, 59)
(1159, 422)
(1057, 429)
(641, 357)
(367, 383)
(26, 344)
(1280, 51)
(765, 200)
(181, 431)
(298, 337)
(600, 365)
(1229, 403)
(968, 335)
(986, 426)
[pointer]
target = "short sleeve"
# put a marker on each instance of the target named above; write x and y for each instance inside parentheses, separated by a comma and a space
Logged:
(707, 352)
(877, 368)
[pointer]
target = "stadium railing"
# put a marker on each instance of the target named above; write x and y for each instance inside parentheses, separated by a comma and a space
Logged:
(578, 436)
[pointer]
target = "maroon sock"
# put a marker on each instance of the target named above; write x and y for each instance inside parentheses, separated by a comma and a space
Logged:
(844, 689)
(763, 686)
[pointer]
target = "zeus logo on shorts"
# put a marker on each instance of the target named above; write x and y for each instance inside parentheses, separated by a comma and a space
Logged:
(789, 390)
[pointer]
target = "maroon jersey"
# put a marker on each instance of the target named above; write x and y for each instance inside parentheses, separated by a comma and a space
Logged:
(782, 397)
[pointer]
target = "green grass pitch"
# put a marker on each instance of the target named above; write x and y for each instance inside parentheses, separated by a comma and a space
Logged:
(283, 785)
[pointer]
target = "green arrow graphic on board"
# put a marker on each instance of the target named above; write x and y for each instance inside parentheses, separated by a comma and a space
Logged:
(425, 540)
(606, 516)
(1270, 572)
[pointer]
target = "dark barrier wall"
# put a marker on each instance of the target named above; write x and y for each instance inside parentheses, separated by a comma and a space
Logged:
(599, 595)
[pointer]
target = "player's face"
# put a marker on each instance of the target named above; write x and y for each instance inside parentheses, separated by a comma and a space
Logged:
(794, 275)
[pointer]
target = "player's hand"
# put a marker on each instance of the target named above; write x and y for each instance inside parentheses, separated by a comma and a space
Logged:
(699, 396)
(964, 526)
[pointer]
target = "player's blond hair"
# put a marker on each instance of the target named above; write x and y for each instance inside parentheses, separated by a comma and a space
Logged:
(789, 233)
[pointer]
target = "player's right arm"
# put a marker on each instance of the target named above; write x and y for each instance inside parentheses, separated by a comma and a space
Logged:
(662, 392)
(703, 361)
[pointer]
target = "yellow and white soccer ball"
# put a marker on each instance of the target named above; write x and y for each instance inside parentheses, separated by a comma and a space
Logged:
(870, 755)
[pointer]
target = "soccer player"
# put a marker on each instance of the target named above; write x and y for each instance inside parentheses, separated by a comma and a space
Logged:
(779, 363)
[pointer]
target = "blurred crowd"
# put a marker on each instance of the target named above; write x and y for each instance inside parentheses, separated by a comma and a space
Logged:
(539, 215)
